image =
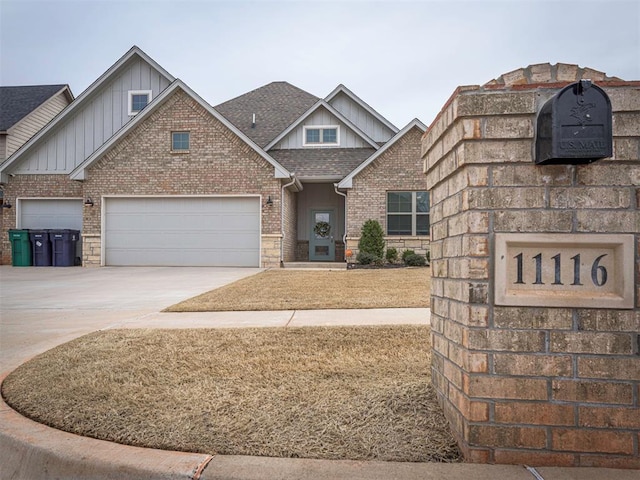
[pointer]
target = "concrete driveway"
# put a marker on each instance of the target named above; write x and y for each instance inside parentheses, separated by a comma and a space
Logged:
(44, 307)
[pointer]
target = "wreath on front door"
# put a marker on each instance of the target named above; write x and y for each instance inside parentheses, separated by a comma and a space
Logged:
(322, 229)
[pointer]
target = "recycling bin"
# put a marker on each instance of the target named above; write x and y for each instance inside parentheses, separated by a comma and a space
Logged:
(41, 248)
(63, 247)
(20, 248)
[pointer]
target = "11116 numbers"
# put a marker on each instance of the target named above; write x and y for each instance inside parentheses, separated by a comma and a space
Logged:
(598, 272)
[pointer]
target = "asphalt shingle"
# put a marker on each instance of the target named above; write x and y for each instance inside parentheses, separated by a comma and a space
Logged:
(321, 162)
(18, 102)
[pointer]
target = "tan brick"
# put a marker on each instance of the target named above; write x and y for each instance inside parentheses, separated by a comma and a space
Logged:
(503, 198)
(603, 441)
(591, 342)
(492, 104)
(506, 340)
(475, 245)
(589, 198)
(494, 151)
(626, 124)
(533, 221)
(531, 175)
(533, 365)
(616, 368)
(592, 392)
(507, 437)
(487, 386)
(534, 413)
(508, 127)
(610, 174)
(609, 320)
(612, 222)
(610, 417)
(533, 318)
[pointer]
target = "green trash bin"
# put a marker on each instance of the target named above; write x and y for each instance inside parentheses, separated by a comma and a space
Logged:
(20, 248)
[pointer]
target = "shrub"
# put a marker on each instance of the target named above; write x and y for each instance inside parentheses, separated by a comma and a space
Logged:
(407, 253)
(428, 255)
(372, 239)
(392, 255)
(415, 260)
(365, 258)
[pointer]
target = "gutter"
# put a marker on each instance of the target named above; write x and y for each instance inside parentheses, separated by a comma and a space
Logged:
(344, 236)
(294, 180)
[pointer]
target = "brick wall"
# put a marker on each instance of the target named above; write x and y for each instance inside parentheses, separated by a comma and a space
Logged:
(534, 385)
(399, 168)
(42, 186)
(218, 162)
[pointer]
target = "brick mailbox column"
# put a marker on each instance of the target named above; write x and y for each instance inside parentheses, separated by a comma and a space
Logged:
(535, 288)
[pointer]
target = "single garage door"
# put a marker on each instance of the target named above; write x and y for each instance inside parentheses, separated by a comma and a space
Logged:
(50, 213)
(182, 231)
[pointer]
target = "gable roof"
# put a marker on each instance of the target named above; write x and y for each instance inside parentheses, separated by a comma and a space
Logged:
(335, 113)
(347, 182)
(79, 172)
(81, 99)
(321, 163)
(342, 89)
(19, 101)
(276, 106)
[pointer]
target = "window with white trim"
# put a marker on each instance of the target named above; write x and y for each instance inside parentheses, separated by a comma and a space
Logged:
(180, 141)
(408, 213)
(138, 99)
(325, 135)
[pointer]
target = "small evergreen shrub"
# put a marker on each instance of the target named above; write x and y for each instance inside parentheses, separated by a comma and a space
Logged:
(365, 258)
(372, 239)
(407, 253)
(415, 260)
(428, 256)
(392, 255)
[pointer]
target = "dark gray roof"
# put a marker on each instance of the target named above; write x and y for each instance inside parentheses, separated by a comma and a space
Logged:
(18, 102)
(321, 162)
(276, 105)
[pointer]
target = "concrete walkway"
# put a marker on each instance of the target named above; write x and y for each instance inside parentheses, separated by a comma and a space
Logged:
(44, 307)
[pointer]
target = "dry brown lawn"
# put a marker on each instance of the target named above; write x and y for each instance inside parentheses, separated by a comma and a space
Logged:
(333, 393)
(317, 289)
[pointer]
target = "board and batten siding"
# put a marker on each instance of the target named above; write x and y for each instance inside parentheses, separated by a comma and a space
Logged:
(91, 126)
(361, 118)
(26, 128)
(321, 117)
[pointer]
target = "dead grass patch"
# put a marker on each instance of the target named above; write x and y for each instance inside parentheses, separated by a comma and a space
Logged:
(333, 393)
(317, 290)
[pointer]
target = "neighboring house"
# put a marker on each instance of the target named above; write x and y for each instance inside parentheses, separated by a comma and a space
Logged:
(24, 110)
(153, 175)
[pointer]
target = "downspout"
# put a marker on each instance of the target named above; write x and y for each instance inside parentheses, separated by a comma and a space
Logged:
(344, 236)
(293, 180)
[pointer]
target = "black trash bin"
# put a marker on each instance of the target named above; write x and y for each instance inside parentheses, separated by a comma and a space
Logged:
(41, 246)
(63, 247)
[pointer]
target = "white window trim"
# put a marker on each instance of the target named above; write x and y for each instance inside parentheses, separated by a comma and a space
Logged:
(320, 127)
(149, 93)
(413, 213)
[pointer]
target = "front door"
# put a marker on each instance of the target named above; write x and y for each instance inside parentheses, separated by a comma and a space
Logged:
(322, 245)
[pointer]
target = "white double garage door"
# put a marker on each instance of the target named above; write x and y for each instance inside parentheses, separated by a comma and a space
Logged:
(168, 231)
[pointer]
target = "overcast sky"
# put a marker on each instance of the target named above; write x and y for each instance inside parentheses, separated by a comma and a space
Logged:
(404, 58)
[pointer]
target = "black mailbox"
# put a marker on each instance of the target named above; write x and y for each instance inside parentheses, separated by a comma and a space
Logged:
(575, 126)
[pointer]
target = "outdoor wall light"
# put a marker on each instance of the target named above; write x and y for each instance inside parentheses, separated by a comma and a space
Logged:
(88, 202)
(269, 202)
(6, 205)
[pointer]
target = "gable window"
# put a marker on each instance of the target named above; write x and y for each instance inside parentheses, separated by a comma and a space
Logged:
(408, 213)
(138, 99)
(180, 141)
(321, 135)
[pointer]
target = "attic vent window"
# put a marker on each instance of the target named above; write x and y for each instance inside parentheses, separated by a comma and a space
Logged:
(321, 136)
(138, 99)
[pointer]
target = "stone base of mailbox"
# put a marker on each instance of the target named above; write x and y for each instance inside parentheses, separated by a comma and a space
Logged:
(535, 279)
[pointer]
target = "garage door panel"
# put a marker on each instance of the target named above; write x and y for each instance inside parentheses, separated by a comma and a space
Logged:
(187, 231)
(51, 214)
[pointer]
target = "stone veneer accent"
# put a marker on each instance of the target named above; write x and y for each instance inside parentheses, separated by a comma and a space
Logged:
(532, 385)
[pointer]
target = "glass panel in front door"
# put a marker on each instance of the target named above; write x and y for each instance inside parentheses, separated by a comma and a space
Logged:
(322, 245)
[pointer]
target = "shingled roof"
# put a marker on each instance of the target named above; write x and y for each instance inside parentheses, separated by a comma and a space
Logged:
(18, 102)
(276, 106)
(321, 162)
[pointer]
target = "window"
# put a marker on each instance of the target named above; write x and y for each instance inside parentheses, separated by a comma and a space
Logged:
(138, 99)
(180, 141)
(321, 136)
(408, 213)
